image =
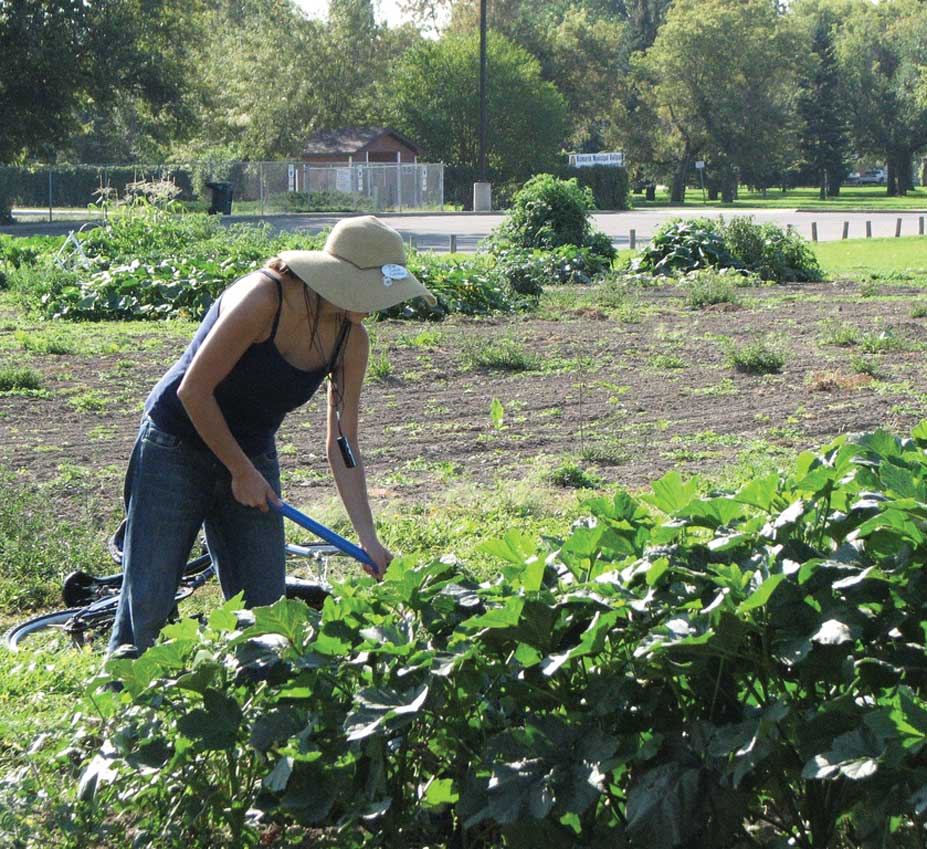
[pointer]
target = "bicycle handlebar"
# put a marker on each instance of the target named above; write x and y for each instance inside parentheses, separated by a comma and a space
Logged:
(301, 519)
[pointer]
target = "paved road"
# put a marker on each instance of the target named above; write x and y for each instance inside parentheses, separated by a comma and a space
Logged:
(433, 231)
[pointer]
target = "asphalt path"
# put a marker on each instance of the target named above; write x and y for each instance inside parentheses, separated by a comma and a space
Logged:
(433, 231)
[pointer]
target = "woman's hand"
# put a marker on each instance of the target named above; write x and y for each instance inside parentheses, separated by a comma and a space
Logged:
(380, 556)
(251, 489)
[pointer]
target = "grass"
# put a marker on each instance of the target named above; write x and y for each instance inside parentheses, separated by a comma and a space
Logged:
(901, 260)
(851, 197)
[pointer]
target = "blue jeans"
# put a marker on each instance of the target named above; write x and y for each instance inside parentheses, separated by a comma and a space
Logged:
(173, 488)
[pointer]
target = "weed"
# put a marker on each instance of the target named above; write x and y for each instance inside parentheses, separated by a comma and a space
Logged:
(668, 361)
(427, 339)
(571, 475)
(885, 342)
(865, 366)
(89, 402)
(754, 357)
(18, 378)
(708, 287)
(836, 332)
(505, 354)
(607, 452)
(379, 366)
(918, 310)
(46, 343)
(725, 386)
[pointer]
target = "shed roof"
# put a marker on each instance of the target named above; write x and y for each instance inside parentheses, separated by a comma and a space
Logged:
(350, 140)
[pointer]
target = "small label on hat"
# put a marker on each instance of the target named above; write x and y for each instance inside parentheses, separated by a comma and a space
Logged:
(394, 272)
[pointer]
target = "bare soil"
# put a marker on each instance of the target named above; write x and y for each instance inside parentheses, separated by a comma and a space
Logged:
(627, 400)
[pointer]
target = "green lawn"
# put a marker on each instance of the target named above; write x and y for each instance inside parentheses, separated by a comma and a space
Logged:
(861, 197)
(904, 259)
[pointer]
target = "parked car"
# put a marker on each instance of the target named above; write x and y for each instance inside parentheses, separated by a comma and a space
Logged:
(870, 177)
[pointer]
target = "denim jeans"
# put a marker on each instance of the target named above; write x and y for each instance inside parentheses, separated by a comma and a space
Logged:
(173, 488)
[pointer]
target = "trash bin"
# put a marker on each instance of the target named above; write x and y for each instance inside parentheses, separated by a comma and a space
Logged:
(221, 198)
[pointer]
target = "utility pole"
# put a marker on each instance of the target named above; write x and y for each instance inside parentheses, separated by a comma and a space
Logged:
(482, 191)
(482, 170)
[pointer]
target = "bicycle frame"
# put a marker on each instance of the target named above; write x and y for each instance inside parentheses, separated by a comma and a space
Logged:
(325, 533)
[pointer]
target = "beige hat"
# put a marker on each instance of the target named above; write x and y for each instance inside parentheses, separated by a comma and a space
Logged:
(361, 268)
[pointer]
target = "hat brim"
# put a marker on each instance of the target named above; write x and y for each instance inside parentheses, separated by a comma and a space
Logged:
(351, 288)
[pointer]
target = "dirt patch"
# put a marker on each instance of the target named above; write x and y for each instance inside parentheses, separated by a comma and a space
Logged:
(630, 399)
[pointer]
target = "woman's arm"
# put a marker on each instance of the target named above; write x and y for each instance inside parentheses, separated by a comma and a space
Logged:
(352, 483)
(247, 315)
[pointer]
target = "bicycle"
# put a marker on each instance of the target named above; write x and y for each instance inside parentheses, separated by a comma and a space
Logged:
(91, 601)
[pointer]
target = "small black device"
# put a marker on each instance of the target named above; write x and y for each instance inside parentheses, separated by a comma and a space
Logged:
(346, 452)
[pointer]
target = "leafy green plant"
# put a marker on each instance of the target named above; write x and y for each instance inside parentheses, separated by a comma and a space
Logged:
(885, 341)
(754, 357)
(680, 246)
(497, 414)
(678, 669)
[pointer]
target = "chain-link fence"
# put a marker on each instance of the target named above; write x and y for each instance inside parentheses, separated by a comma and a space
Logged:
(254, 188)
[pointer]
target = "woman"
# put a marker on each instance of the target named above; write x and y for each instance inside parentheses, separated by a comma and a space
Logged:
(205, 452)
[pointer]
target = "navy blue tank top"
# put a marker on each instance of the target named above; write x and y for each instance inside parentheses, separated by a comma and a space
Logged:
(254, 397)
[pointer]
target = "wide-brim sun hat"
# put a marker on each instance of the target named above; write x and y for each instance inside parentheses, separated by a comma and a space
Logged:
(362, 267)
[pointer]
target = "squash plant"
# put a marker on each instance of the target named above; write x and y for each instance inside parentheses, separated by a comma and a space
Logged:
(681, 670)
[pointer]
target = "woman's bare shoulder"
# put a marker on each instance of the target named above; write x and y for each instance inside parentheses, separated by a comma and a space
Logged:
(254, 291)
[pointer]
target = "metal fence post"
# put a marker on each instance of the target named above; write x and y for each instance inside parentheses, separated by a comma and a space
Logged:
(454, 242)
(920, 225)
(868, 229)
(49, 194)
(261, 185)
(846, 229)
(399, 185)
(897, 228)
(632, 239)
(814, 231)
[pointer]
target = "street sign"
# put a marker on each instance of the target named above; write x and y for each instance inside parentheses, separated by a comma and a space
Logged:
(700, 164)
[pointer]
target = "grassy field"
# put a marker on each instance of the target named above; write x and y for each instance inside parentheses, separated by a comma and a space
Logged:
(902, 260)
(860, 197)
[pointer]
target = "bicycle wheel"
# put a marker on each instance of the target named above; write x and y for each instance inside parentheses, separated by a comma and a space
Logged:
(48, 632)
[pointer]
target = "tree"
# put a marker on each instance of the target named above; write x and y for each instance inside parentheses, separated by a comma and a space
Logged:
(723, 74)
(434, 100)
(882, 50)
(65, 58)
(586, 57)
(824, 141)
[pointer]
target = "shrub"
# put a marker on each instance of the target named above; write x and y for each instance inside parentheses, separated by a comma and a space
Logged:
(763, 249)
(502, 354)
(681, 246)
(769, 251)
(548, 213)
(610, 186)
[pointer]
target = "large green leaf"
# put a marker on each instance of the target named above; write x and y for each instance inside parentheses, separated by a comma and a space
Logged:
(662, 805)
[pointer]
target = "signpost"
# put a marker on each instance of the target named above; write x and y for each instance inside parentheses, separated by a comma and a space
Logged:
(700, 167)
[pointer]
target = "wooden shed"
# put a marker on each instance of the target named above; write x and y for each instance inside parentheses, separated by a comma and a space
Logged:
(357, 145)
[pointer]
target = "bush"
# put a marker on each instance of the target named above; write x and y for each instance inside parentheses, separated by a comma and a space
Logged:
(763, 249)
(755, 357)
(773, 254)
(547, 213)
(681, 246)
(610, 186)
(527, 272)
